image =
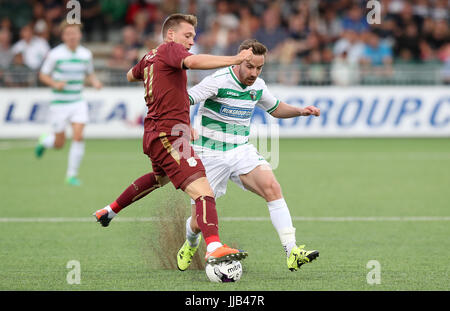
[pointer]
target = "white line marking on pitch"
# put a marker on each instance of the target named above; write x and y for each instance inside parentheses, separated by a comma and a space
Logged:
(230, 219)
(4, 145)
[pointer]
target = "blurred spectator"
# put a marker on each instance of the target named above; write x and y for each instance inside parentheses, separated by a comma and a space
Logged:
(440, 35)
(142, 25)
(92, 19)
(118, 59)
(355, 19)
(6, 54)
(141, 6)
(352, 45)
(271, 34)
(330, 26)
(39, 21)
(18, 75)
(441, 10)
(19, 13)
(32, 48)
(377, 55)
(316, 71)
(249, 23)
(342, 71)
(406, 47)
(53, 14)
(220, 25)
(131, 44)
(114, 12)
(54, 11)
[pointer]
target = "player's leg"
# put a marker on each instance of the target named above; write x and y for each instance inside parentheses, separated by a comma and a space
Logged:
(78, 117)
(186, 172)
(138, 189)
(263, 182)
(76, 154)
(207, 220)
(217, 173)
(58, 116)
(190, 246)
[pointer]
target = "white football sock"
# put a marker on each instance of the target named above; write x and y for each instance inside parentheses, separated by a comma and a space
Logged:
(49, 141)
(111, 213)
(282, 221)
(76, 154)
(191, 236)
(211, 247)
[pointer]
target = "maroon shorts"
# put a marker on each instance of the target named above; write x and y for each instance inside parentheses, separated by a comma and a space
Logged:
(173, 156)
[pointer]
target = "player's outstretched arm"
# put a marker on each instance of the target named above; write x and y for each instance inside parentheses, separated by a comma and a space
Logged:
(287, 111)
(206, 61)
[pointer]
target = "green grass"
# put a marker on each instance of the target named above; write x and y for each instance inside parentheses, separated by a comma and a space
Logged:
(320, 178)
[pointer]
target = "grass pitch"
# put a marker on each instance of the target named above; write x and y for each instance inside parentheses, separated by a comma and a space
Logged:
(354, 200)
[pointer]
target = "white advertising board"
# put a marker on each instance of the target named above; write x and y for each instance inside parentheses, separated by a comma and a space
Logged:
(345, 112)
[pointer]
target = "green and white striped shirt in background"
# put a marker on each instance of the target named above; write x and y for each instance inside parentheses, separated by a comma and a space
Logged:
(62, 64)
(226, 108)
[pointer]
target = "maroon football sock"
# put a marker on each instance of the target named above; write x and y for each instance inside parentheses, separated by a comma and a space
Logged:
(137, 190)
(207, 220)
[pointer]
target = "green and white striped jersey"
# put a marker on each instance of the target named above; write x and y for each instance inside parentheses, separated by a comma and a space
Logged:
(62, 64)
(226, 108)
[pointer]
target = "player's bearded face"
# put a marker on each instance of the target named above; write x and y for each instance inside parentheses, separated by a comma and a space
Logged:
(250, 70)
(184, 34)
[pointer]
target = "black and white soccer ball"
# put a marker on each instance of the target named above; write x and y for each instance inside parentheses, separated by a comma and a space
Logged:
(225, 271)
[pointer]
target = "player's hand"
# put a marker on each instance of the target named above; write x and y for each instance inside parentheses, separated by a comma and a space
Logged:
(311, 110)
(97, 84)
(244, 55)
(59, 85)
(194, 134)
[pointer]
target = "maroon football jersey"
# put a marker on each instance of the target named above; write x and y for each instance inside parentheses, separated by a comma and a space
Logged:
(165, 85)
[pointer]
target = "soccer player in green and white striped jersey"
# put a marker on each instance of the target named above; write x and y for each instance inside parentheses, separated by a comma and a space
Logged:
(228, 98)
(65, 70)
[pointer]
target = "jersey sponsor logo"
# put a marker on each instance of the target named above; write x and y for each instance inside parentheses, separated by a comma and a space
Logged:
(236, 112)
(192, 162)
(232, 93)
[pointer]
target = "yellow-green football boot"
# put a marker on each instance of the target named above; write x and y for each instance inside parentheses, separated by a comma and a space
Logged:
(185, 254)
(300, 256)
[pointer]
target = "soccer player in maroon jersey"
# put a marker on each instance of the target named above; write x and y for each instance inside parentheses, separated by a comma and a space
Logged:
(167, 130)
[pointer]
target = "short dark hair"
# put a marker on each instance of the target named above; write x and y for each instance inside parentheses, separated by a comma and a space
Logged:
(175, 19)
(257, 47)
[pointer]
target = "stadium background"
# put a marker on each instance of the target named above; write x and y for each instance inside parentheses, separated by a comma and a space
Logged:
(380, 198)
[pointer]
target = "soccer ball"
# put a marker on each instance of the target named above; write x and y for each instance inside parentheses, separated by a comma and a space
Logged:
(225, 271)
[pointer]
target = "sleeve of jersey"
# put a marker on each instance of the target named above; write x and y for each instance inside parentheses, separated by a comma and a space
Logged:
(205, 89)
(174, 54)
(138, 69)
(48, 65)
(268, 102)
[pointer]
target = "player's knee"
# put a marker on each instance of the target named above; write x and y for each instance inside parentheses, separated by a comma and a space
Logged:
(271, 189)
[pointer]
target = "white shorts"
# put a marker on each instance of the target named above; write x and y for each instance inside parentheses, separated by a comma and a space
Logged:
(222, 166)
(63, 114)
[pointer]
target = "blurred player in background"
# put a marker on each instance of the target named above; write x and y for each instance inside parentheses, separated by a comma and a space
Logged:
(167, 130)
(65, 70)
(228, 99)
